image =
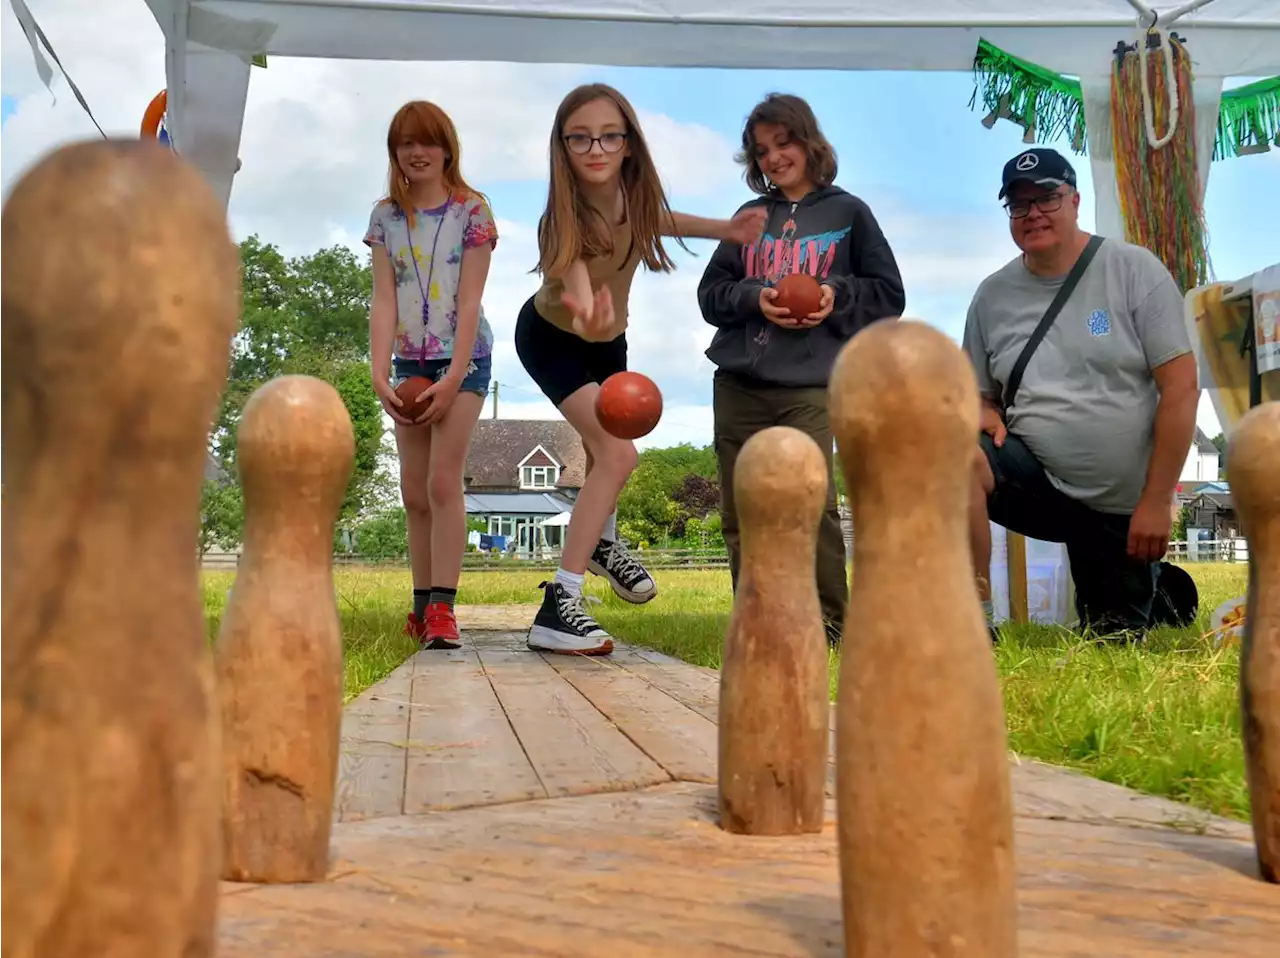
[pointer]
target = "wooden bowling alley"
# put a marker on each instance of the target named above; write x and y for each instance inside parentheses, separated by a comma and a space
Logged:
(173, 797)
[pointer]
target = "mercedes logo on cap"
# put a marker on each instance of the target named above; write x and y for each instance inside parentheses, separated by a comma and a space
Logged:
(1027, 161)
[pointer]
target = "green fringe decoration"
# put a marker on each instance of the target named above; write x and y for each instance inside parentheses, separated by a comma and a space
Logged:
(1049, 105)
(1249, 115)
(1045, 103)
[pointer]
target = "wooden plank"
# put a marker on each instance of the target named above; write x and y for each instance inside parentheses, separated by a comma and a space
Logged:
(693, 687)
(462, 750)
(673, 735)
(371, 766)
(574, 749)
(627, 873)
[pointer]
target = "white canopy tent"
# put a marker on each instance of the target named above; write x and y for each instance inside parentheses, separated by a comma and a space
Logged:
(210, 44)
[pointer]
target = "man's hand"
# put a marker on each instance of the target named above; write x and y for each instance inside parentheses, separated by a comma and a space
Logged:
(1149, 529)
(990, 422)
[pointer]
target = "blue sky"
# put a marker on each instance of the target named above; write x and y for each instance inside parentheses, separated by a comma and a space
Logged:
(913, 149)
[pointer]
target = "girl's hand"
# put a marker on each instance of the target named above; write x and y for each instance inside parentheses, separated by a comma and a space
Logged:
(390, 401)
(441, 394)
(594, 323)
(775, 314)
(747, 226)
(824, 308)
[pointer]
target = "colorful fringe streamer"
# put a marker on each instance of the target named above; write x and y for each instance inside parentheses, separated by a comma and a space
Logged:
(1049, 105)
(1159, 188)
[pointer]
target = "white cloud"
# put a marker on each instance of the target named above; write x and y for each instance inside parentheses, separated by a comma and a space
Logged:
(313, 142)
(693, 160)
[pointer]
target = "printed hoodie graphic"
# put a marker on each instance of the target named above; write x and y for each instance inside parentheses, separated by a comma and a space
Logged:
(833, 236)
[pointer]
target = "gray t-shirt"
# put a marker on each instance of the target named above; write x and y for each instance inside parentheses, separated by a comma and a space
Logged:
(1086, 405)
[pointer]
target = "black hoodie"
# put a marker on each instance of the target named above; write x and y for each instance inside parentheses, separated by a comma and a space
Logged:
(836, 239)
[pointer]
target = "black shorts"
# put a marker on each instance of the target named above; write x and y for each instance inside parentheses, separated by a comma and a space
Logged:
(1113, 591)
(560, 362)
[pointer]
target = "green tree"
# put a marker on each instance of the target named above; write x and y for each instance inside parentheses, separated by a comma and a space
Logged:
(648, 510)
(309, 316)
(1220, 442)
(221, 516)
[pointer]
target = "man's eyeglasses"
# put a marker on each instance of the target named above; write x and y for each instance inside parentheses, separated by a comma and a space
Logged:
(1049, 203)
(580, 143)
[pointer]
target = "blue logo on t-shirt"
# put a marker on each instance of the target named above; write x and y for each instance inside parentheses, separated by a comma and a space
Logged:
(1099, 322)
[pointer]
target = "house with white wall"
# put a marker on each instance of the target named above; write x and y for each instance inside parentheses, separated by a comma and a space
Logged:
(1203, 460)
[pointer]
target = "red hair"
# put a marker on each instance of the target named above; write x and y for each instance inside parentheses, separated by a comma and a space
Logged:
(420, 121)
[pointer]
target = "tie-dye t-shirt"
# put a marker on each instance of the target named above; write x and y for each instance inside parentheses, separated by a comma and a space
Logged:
(439, 237)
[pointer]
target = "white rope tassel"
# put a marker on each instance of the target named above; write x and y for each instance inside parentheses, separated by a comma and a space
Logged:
(1171, 85)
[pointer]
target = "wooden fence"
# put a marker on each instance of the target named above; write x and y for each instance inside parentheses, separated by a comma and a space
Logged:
(545, 559)
(1222, 550)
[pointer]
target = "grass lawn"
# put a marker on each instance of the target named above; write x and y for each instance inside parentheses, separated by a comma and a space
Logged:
(1163, 719)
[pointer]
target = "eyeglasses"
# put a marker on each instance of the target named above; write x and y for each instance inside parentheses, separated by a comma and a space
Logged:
(581, 143)
(1051, 203)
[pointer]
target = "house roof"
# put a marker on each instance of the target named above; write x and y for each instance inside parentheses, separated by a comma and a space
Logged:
(1220, 501)
(499, 445)
(1204, 444)
(516, 504)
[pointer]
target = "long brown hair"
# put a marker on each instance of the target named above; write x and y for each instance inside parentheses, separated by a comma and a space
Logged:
(570, 228)
(420, 121)
(794, 115)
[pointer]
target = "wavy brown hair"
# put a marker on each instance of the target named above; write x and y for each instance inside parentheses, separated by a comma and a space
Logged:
(794, 115)
(420, 121)
(570, 228)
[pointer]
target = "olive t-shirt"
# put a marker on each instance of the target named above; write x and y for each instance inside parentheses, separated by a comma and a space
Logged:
(616, 272)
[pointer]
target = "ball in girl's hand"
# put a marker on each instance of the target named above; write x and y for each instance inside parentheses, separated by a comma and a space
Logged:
(628, 405)
(408, 391)
(800, 293)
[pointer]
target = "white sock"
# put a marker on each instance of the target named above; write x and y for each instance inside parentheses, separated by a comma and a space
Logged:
(611, 527)
(571, 581)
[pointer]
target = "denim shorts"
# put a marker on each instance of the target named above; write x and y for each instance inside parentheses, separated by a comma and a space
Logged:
(476, 379)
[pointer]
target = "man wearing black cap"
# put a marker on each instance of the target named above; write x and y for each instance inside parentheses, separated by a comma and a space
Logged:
(1089, 396)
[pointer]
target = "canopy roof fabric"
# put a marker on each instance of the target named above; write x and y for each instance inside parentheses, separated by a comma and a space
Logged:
(212, 42)
(1240, 37)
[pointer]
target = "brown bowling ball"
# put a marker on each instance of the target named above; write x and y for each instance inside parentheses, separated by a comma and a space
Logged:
(799, 293)
(408, 391)
(628, 405)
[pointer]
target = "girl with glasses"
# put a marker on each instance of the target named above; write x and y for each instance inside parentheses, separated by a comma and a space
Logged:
(606, 213)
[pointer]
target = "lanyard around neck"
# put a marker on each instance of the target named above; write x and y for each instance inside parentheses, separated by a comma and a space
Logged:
(431, 270)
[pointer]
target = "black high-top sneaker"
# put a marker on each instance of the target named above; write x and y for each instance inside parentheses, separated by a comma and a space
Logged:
(564, 625)
(627, 577)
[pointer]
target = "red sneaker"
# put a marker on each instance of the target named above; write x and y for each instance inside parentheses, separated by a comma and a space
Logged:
(415, 627)
(442, 628)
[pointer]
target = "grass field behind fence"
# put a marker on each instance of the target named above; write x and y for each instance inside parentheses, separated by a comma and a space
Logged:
(1163, 719)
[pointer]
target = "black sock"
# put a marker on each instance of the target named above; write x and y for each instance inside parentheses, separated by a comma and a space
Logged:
(420, 599)
(446, 596)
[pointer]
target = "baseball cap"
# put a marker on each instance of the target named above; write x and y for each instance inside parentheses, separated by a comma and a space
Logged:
(1041, 166)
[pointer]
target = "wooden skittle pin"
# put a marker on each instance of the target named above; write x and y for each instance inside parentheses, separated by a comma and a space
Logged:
(1253, 463)
(120, 299)
(925, 824)
(774, 709)
(279, 649)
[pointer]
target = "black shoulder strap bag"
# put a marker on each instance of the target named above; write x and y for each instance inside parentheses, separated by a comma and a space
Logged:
(1068, 287)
